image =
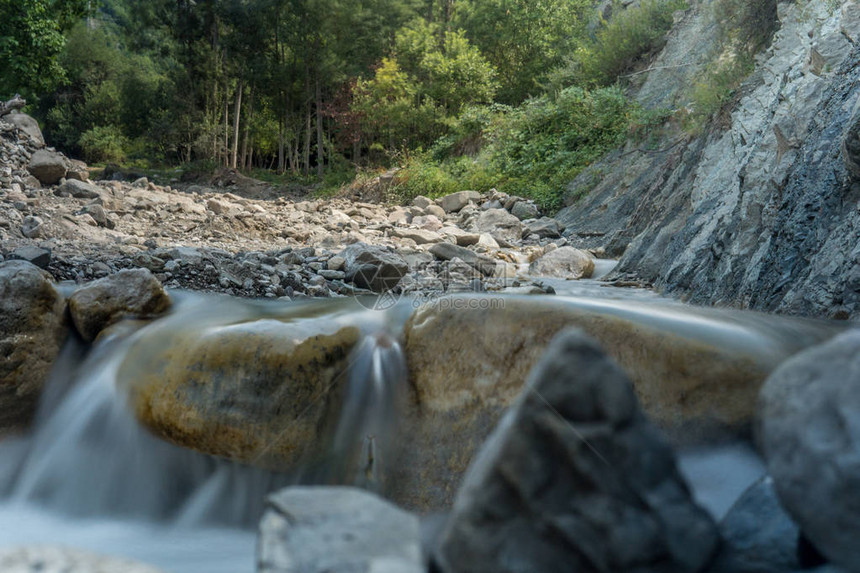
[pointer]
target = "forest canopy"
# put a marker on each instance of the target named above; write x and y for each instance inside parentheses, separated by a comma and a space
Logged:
(482, 92)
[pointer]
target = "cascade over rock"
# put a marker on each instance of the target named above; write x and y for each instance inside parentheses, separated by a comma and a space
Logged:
(253, 391)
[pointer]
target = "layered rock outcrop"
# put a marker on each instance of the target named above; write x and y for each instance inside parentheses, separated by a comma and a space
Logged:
(760, 212)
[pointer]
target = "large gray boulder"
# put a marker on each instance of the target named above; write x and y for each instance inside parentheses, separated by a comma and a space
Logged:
(810, 436)
(373, 268)
(132, 293)
(78, 190)
(28, 126)
(32, 331)
(455, 201)
(575, 478)
(564, 263)
(337, 530)
(501, 225)
(47, 166)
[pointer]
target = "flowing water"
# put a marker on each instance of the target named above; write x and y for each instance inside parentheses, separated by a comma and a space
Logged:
(88, 476)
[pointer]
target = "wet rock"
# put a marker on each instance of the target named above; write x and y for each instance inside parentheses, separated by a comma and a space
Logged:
(32, 331)
(576, 434)
(337, 530)
(565, 262)
(47, 559)
(47, 166)
(33, 255)
(448, 252)
(545, 228)
(469, 355)
(255, 392)
(373, 268)
(454, 202)
(810, 436)
(78, 189)
(758, 535)
(523, 210)
(499, 223)
(127, 294)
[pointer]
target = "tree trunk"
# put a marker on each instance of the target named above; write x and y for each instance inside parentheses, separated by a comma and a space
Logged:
(237, 112)
(245, 161)
(320, 138)
(306, 166)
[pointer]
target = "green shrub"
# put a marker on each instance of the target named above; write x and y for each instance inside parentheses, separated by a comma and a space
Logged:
(545, 143)
(628, 36)
(104, 144)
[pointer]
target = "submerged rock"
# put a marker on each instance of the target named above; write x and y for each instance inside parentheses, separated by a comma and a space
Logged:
(255, 392)
(337, 530)
(127, 294)
(575, 479)
(810, 435)
(65, 560)
(32, 330)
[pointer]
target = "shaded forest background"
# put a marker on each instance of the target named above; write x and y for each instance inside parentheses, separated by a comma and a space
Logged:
(520, 95)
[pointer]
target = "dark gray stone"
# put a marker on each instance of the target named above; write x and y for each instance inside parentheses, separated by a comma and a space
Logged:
(47, 166)
(523, 210)
(575, 478)
(545, 228)
(448, 251)
(373, 267)
(810, 437)
(78, 190)
(32, 254)
(758, 535)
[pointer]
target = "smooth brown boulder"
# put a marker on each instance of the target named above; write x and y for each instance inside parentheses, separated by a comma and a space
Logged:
(256, 392)
(32, 332)
(132, 293)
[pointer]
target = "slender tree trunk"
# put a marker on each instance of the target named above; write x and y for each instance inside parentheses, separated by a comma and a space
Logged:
(237, 112)
(245, 161)
(224, 150)
(320, 138)
(306, 166)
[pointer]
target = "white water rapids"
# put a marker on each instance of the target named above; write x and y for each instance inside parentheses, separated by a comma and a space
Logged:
(88, 476)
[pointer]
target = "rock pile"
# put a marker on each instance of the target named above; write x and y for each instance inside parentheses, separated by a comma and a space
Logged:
(214, 239)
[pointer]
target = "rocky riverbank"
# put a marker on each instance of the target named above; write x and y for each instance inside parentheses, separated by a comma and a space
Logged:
(214, 239)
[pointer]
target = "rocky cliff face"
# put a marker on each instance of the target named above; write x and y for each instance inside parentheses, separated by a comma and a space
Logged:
(762, 211)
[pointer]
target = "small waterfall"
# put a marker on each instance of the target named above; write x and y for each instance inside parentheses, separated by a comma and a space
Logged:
(365, 439)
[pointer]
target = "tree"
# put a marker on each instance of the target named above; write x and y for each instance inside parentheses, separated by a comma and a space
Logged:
(524, 39)
(31, 39)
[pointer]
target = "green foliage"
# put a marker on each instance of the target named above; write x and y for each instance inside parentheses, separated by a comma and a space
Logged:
(104, 145)
(628, 36)
(417, 92)
(745, 28)
(31, 38)
(544, 144)
(524, 39)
